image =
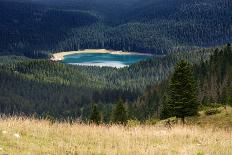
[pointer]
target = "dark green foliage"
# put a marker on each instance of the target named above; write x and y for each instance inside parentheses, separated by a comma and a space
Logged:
(215, 77)
(182, 93)
(209, 89)
(119, 113)
(229, 96)
(153, 26)
(47, 88)
(205, 101)
(148, 105)
(167, 110)
(95, 116)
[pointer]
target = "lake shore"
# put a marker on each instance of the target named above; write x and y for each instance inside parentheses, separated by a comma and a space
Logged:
(60, 56)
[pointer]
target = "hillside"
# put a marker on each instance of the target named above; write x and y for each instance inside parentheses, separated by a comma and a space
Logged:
(61, 91)
(27, 135)
(220, 119)
(154, 26)
(213, 77)
(44, 88)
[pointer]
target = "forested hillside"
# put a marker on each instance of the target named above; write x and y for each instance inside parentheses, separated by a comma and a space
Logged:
(213, 77)
(43, 88)
(35, 28)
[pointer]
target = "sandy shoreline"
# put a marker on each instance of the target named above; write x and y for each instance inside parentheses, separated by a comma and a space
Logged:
(60, 56)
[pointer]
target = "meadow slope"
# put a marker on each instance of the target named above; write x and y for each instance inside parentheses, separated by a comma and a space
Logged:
(31, 136)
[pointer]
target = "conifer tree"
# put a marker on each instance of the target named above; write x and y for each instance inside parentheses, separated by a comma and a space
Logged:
(95, 116)
(167, 110)
(120, 113)
(182, 93)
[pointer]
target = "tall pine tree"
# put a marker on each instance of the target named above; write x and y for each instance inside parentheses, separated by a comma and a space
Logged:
(167, 110)
(95, 116)
(182, 93)
(120, 113)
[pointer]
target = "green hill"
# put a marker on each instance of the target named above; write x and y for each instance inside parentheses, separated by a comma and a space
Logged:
(42, 87)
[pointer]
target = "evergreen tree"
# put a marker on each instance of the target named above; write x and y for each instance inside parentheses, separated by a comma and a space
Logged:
(229, 100)
(120, 113)
(95, 115)
(182, 94)
(167, 110)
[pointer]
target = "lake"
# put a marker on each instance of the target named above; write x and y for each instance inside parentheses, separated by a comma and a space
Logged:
(104, 59)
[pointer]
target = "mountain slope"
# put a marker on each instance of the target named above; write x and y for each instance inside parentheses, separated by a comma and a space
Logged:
(46, 88)
(33, 136)
(154, 26)
(213, 77)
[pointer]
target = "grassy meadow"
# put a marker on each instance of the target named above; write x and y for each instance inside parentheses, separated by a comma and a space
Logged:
(31, 137)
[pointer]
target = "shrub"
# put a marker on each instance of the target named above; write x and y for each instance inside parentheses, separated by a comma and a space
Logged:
(95, 116)
(120, 113)
(133, 123)
(212, 111)
(171, 120)
(213, 105)
(151, 122)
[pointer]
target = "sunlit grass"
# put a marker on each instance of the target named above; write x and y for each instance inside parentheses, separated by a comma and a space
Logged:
(31, 136)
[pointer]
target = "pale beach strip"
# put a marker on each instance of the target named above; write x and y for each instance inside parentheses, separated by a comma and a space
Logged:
(60, 56)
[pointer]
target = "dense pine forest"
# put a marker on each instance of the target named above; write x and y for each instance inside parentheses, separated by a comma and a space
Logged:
(51, 89)
(213, 83)
(36, 28)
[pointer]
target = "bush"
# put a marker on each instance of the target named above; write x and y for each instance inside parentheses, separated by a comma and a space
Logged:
(119, 113)
(151, 122)
(212, 111)
(210, 106)
(133, 123)
(171, 120)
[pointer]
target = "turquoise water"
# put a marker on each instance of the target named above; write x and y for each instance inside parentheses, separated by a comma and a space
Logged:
(99, 59)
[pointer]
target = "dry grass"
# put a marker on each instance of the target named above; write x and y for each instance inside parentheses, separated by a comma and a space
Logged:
(42, 137)
(220, 120)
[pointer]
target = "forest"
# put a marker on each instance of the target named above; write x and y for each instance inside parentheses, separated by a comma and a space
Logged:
(44, 88)
(37, 28)
(213, 84)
